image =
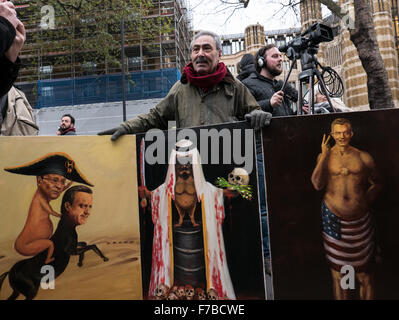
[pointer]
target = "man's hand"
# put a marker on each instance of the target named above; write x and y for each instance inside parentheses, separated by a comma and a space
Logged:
(116, 132)
(277, 99)
(325, 147)
(7, 10)
(20, 37)
(258, 119)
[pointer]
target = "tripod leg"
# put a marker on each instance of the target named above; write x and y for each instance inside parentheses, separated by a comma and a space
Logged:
(300, 99)
(311, 94)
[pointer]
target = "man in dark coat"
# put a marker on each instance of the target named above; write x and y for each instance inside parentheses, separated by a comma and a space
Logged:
(206, 94)
(264, 86)
(267, 91)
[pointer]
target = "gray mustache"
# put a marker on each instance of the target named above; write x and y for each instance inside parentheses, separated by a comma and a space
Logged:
(200, 60)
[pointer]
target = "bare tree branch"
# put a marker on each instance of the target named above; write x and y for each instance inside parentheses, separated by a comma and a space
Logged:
(231, 14)
(330, 4)
(234, 7)
(334, 8)
(244, 2)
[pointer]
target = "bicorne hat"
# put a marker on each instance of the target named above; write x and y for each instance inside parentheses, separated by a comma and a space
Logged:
(51, 163)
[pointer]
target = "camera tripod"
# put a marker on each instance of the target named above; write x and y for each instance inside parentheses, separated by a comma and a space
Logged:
(310, 70)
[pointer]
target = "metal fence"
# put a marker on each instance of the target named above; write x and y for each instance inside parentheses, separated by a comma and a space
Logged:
(105, 88)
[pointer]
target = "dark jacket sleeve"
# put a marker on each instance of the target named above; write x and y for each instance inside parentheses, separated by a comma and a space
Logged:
(9, 73)
(158, 117)
(290, 92)
(9, 70)
(264, 103)
(7, 35)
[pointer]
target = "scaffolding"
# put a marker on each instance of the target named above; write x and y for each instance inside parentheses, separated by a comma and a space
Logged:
(163, 50)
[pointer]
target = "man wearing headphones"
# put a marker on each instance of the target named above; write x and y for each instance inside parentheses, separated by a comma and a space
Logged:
(265, 88)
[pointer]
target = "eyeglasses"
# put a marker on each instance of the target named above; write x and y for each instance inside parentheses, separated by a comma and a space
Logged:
(56, 181)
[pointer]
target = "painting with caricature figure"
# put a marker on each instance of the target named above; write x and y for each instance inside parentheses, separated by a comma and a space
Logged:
(199, 214)
(332, 184)
(70, 226)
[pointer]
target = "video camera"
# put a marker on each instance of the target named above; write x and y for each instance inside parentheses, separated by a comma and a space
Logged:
(309, 39)
(305, 47)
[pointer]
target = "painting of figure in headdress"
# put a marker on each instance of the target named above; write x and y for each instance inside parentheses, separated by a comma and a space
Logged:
(201, 235)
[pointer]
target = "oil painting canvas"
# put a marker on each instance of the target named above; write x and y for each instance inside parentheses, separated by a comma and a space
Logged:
(199, 214)
(332, 184)
(69, 219)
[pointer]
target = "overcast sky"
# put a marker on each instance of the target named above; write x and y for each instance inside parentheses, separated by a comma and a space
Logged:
(208, 15)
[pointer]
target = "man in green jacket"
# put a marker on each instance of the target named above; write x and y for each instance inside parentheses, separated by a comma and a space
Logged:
(206, 94)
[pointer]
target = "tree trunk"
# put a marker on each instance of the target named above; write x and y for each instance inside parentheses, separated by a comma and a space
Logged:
(365, 40)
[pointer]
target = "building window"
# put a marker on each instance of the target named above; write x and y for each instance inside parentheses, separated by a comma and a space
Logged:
(255, 30)
(237, 46)
(395, 20)
(226, 48)
(280, 42)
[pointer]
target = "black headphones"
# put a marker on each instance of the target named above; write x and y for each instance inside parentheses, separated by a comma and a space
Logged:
(261, 61)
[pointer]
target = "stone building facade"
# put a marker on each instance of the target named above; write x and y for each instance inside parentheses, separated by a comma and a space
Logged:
(340, 54)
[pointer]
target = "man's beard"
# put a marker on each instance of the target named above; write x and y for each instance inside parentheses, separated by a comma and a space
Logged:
(274, 72)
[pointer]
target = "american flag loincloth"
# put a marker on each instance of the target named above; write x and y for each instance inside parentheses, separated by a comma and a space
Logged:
(347, 242)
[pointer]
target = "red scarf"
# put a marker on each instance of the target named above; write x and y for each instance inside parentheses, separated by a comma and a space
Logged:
(205, 82)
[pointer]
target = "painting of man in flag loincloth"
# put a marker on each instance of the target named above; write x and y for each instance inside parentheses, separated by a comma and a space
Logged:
(351, 183)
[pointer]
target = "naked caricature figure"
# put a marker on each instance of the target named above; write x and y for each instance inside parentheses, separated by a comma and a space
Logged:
(38, 229)
(51, 171)
(351, 183)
